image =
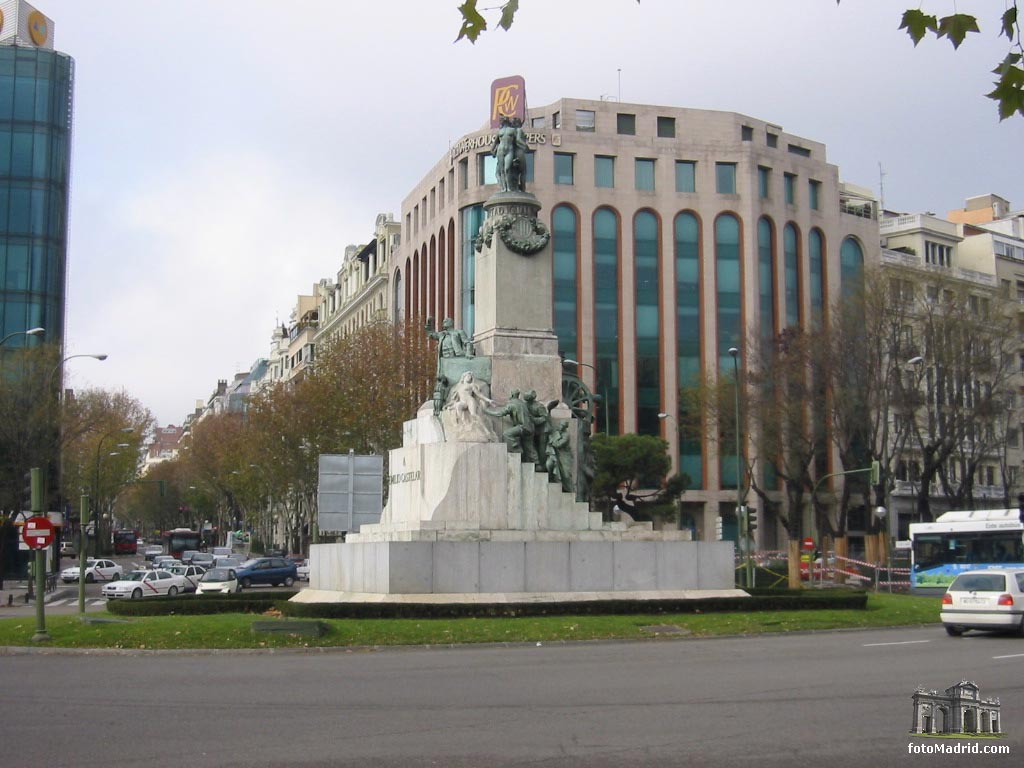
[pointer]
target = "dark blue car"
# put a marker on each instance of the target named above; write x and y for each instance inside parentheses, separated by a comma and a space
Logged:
(274, 571)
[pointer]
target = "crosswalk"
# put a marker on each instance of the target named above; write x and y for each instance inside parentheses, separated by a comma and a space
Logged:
(94, 602)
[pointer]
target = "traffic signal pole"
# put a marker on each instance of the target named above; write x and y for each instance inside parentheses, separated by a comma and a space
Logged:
(41, 635)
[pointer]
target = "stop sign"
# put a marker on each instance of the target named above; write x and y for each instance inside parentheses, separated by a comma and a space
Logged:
(37, 533)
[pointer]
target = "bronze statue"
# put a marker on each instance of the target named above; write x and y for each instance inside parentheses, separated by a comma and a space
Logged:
(451, 341)
(542, 425)
(559, 456)
(518, 437)
(510, 152)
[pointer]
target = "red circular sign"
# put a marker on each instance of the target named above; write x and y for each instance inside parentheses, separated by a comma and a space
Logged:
(37, 532)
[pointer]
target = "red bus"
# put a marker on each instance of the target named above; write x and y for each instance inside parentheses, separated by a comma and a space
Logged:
(126, 542)
(181, 539)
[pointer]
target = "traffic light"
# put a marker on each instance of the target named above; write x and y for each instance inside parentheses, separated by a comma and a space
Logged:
(162, 488)
(876, 472)
(751, 521)
(26, 491)
(718, 528)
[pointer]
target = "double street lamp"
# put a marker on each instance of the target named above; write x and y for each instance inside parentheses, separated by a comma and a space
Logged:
(98, 522)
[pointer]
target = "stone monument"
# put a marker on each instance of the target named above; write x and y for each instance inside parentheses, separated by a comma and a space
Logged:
(481, 495)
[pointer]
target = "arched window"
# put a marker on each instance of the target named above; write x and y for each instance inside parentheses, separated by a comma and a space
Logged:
(606, 312)
(851, 266)
(565, 244)
(688, 332)
(791, 266)
(766, 276)
(727, 282)
(648, 321)
(399, 296)
(472, 218)
(816, 262)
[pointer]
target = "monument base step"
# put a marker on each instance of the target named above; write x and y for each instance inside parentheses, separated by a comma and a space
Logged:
(486, 598)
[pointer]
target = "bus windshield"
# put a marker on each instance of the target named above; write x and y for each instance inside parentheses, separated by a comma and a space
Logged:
(932, 550)
(180, 540)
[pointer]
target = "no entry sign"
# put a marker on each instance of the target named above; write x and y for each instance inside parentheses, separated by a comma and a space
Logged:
(37, 533)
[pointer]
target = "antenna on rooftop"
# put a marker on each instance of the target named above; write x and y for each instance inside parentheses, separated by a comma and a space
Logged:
(881, 186)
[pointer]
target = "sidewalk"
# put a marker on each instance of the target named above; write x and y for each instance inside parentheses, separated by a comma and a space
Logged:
(15, 590)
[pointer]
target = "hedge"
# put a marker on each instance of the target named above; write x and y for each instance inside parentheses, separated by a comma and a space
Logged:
(238, 602)
(249, 602)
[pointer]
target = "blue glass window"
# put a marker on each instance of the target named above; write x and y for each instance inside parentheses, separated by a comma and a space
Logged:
(645, 174)
(648, 322)
(564, 240)
(688, 332)
(791, 267)
(789, 188)
(606, 311)
(725, 178)
(764, 180)
(686, 176)
(727, 274)
(472, 219)
(563, 168)
(766, 276)
(816, 263)
(604, 171)
(851, 266)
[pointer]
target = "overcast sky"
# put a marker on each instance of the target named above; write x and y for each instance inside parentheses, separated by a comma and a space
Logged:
(226, 151)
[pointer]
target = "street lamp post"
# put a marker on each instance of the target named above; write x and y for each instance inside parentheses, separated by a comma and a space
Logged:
(735, 354)
(97, 506)
(604, 390)
(59, 463)
(29, 332)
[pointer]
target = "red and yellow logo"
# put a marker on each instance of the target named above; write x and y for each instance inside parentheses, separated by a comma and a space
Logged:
(508, 99)
(38, 28)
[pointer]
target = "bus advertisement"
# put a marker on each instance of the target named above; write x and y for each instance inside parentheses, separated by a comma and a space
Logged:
(181, 539)
(963, 541)
(126, 542)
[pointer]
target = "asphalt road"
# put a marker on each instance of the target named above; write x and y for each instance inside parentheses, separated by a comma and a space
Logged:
(825, 699)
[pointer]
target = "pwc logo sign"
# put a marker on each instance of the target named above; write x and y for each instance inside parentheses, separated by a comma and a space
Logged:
(508, 99)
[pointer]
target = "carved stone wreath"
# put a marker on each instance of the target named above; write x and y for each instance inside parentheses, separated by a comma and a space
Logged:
(527, 245)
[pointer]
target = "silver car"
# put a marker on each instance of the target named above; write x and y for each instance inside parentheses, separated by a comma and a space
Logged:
(990, 599)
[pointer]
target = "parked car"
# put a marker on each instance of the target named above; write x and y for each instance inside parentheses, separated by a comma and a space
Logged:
(302, 571)
(139, 584)
(205, 559)
(152, 551)
(991, 599)
(218, 580)
(266, 570)
(95, 570)
(190, 573)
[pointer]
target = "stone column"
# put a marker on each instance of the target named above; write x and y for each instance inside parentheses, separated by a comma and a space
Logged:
(513, 320)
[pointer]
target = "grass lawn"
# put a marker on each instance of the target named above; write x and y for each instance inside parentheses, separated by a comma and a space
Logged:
(234, 630)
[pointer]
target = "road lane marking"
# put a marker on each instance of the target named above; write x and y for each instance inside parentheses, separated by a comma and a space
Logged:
(903, 642)
(1009, 656)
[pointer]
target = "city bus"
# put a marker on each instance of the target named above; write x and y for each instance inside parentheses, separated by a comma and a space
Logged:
(963, 541)
(181, 539)
(126, 542)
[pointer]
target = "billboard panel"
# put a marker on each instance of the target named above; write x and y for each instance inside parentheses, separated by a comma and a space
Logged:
(350, 491)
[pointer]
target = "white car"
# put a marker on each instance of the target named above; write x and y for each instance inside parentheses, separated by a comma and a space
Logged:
(991, 599)
(152, 551)
(190, 573)
(139, 584)
(302, 570)
(218, 580)
(95, 570)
